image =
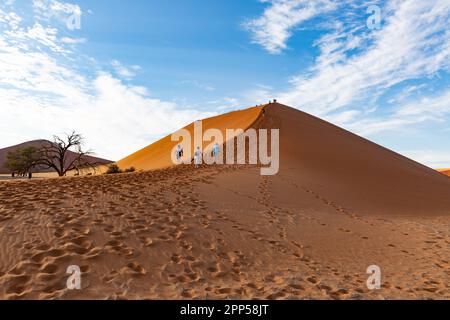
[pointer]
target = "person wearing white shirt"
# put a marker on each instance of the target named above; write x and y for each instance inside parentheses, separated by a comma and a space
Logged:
(198, 157)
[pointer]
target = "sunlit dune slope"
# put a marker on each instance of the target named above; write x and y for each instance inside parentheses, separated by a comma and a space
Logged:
(318, 156)
(158, 154)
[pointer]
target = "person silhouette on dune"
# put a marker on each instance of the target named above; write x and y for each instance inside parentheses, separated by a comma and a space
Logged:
(179, 152)
(215, 151)
(197, 157)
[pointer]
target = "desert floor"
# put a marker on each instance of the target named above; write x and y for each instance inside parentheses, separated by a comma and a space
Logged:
(214, 232)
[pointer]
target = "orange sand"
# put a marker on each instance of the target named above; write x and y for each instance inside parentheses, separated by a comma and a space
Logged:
(157, 155)
(339, 204)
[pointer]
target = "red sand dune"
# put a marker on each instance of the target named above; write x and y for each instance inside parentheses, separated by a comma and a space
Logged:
(38, 144)
(445, 171)
(158, 154)
(342, 166)
(353, 171)
(339, 204)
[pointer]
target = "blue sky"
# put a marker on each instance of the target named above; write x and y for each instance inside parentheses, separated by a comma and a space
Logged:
(125, 73)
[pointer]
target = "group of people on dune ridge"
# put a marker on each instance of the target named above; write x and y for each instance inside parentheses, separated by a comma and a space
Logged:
(198, 154)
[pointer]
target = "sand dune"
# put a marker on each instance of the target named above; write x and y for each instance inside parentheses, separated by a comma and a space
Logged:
(347, 169)
(158, 154)
(45, 171)
(445, 171)
(339, 204)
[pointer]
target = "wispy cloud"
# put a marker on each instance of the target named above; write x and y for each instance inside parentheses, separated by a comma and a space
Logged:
(47, 9)
(413, 43)
(124, 71)
(357, 67)
(274, 28)
(42, 92)
(70, 40)
(199, 85)
(436, 106)
(434, 159)
(433, 107)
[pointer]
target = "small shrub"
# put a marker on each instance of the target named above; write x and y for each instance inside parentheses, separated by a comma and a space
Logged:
(113, 168)
(131, 169)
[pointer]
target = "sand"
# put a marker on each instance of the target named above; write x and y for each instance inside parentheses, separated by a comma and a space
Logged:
(338, 205)
(43, 171)
(445, 171)
(158, 154)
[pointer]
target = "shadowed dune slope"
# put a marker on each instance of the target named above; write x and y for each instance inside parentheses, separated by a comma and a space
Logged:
(354, 172)
(38, 144)
(344, 168)
(157, 155)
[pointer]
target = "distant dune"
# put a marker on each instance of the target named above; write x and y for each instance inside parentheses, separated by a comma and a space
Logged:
(445, 171)
(338, 205)
(38, 144)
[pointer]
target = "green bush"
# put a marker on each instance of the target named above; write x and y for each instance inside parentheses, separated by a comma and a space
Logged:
(22, 160)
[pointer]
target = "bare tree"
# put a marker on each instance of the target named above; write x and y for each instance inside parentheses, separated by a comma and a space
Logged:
(56, 154)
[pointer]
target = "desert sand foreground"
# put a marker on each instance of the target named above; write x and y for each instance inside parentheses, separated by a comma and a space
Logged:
(179, 233)
(338, 205)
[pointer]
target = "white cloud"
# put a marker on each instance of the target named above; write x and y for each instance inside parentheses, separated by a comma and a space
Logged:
(372, 125)
(415, 42)
(260, 94)
(427, 108)
(356, 67)
(273, 29)
(225, 104)
(115, 118)
(70, 40)
(67, 14)
(10, 18)
(45, 36)
(432, 158)
(199, 85)
(25, 37)
(344, 117)
(432, 106)
(43, 93)
(51, 8)
(9, 2)
(125, 72)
